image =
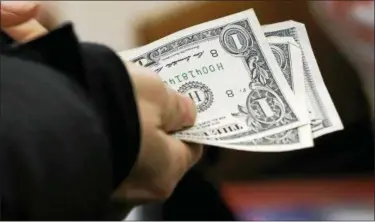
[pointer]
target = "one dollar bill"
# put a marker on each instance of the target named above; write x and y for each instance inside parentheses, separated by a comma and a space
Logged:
(255, 88)
(289, 58)
(322, 112)
(225, 66)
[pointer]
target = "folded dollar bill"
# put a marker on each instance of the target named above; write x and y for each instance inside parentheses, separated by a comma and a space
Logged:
(252, 92)
(323, 115)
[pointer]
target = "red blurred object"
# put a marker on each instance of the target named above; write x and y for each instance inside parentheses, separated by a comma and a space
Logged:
(344, 12)
(310, 196)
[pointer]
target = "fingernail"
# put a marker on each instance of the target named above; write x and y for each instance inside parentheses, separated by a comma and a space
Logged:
(189, 110)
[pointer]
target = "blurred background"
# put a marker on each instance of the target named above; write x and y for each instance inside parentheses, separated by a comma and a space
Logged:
(332, 181)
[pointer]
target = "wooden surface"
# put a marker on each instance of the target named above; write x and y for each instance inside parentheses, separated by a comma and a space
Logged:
(340, 78)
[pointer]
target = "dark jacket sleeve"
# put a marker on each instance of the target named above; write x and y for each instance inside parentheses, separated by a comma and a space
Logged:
(69, 130)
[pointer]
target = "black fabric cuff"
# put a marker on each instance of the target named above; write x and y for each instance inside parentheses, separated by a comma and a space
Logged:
(113, 93)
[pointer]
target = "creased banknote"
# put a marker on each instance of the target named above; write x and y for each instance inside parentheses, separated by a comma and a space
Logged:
(255, 88)
(227, 67)
(289, 58)
(323, 115)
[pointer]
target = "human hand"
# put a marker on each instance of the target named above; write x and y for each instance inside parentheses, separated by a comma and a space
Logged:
(163, 159)
(18, 20)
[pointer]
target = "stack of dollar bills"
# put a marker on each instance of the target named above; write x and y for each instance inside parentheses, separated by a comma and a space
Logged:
(256, 88)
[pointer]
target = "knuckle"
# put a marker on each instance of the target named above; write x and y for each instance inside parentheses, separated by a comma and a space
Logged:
(170, 109)
(163, 93)
(148, 84)
(176, 104)
(158, 90)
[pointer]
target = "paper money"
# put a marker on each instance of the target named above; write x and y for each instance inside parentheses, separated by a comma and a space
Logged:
(251, 92)
(322, 112)
(225, 66)
(289, 58)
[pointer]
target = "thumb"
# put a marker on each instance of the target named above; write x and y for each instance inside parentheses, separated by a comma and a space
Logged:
(14, 13)
(179, 112)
